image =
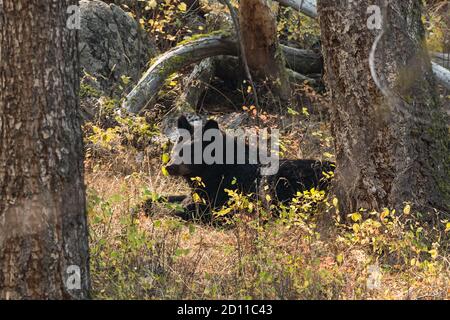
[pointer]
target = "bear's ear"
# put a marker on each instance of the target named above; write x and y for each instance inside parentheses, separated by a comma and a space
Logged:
(183, 123)
(211, 124)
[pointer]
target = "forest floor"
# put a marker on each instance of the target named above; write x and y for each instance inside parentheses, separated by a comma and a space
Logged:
(307, 253)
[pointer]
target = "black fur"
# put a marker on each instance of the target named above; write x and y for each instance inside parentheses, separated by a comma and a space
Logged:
(293, 176)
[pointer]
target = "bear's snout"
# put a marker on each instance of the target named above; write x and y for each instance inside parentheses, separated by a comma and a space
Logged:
(178, 170)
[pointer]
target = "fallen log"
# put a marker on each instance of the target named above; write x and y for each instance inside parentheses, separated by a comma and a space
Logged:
(146, 91)
(442, 74)
(196, 85)
(442, 59)
(309, 8)
(172, 61)
(300, 78)
(302, 61)
(228, 69)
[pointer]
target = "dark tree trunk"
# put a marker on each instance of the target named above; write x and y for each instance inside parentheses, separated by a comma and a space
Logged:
(43, 228)
(259, 34)
(391, 147)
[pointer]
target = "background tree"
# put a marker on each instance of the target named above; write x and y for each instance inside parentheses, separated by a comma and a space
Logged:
(391, 138)
(265, 59)
(43, 226)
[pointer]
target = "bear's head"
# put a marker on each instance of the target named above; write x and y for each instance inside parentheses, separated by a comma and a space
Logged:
(187, 157)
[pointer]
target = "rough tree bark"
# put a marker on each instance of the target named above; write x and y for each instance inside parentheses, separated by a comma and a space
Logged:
(308, 7)
(43, 228)
(391, 148)
(264, 55)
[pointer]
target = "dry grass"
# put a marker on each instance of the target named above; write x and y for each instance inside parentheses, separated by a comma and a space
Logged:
(311, 256)
(135, 256)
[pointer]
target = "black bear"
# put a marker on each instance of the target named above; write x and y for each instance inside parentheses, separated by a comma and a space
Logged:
(209, 178)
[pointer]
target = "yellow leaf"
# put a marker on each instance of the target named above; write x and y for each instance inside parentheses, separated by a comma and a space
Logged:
(171, 38)
(335, 202)
(356, 217)
(447, 227)
(328, 155)
(433, 253)
(182, 7)
(151, 4)
(384, 214)
(340, 258)
(305, 112)
(165, 172)
(268, 198)
(223, 212)
(165, 158)
(196, 198)
(407, 209)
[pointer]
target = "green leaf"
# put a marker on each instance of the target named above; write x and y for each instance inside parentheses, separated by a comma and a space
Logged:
(292, 112)
(157, 224)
